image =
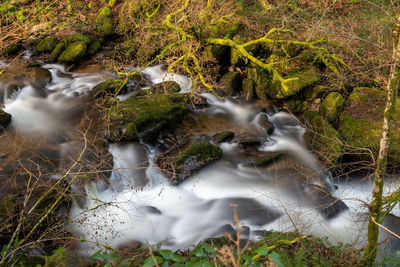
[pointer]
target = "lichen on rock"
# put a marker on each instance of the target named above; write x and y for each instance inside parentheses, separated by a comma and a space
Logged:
(331, 106)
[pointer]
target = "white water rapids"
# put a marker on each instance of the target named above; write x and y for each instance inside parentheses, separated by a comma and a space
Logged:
(141, 204)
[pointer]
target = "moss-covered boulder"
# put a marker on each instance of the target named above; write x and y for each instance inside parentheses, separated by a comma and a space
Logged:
(46, 45)
(298, 81)
(331, 106)
(165, 87)
(295, 105)
(110, 87)
(223, 137)
(57, 51)
(195, 157)
(150, 114)
(312, 92)
(103, 22)
(267, 159)
(229, 83)
(361, 123)
(262, 80)
(5, 119)
(73, 52)
(322, 138)
(11, 50)
(248, 89)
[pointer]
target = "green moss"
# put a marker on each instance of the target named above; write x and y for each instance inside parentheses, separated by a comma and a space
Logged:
(93, 47)
(267, 159)
(46, 45)
(313, 92)
(103, 22)
(215, 52)
(331, 106)
(73, 52)
(262, 80)
(150, 113)
(299, 81)
(229, 83)
(165, 87)
(11, 50)
(201, 152)
(5, 119)
(57, 51)
(223, 137)
(295, 106)
(60, 257)
(110, 87)
(361, 123)
(322, 138)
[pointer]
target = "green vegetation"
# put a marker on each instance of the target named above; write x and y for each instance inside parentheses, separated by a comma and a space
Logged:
(200, 152)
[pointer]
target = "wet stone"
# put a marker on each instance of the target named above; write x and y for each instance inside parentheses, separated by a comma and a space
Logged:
(223, 137)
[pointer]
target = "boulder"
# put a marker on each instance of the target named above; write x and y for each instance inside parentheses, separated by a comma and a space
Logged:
(165, 87)
(264, 122)
(298, 81)
(295, 105)
(313, 92)
(229, 83)
(361, 122)
(196, 157)
(322, 138)
(267, 159)
(150, 113)
(262, 80)
(46, 45)
(223, 137)
(11, 50)
(110, 87)
(331, 106)
(73, 52)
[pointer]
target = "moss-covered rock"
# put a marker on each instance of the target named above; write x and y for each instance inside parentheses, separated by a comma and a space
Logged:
(110, 87)
(165, 87)
(93, 46)
(295, 105)
(331, 106)
(322, 138)
(361, 123)
(196, 157)
(223, 137)
(7, 214)
(248, 89)
(229, 83)
(267, 159)
(11, 50)
(103, 22)
(46, 45)
(73, 52)
(262, 80)
(150, 113)
(5, 119)
(215, 52)
(57, 51)
(298, 82)
(249, 142)
(312, 92)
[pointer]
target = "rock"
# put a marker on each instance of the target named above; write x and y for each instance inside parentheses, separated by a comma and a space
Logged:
(73, 52)
(262, 80)
(165, 87)
(41, 76)
(311, 93)
(264, 122)
(11, 50)
(249, 143)
(326, 204)
(46, 45)
(57, 51)
(229, 83)
(196, 157)
(361, 123)
(248, 89)
(110, 87)
(295, 105)
(103, 22)
(267, 159)
(299, 81)
(93, 46)
(331, 106)
(215, 52)
(150, 113)
(223, 137)
(8, 212)
(117, 134)
(322, 138)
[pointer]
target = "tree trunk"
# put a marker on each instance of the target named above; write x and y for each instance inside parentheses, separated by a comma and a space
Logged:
(376, 204)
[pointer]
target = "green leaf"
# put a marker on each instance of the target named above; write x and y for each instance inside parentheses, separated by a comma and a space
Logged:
(166, 254)
(107, 265)
(149, 262)
(165, 264)
(178, 265)
(100, 255)
(263, 250)
(202, 263)
(276, 258)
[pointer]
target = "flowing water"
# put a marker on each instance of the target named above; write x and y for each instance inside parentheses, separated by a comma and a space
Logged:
(139, 203)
